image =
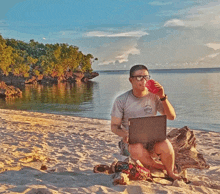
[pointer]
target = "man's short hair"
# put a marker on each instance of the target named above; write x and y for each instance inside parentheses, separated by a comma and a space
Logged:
(136, 68)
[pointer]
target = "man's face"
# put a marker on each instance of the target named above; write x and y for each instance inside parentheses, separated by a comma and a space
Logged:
(138, 82)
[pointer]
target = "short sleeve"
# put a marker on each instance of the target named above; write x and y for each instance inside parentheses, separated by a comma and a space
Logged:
(117, 109)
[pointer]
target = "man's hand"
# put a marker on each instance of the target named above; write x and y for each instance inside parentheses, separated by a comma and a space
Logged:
(117, 128)
(161, 92)
(168, 108)
(126, 137)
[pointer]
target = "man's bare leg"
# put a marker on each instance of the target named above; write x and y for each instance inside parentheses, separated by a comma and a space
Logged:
(138, 152)
(167, 156)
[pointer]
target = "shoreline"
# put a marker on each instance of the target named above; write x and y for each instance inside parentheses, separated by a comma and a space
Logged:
(71, 115)
(69, 147)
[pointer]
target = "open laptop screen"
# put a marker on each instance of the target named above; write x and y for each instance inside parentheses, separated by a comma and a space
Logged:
(147, 129)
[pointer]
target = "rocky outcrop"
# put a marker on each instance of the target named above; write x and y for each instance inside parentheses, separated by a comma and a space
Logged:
(9, 91)
(79, 76)
(68, 77)
(88, 76)
(34, 79)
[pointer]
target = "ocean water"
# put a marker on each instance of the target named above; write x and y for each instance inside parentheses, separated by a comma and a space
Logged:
(194, 93)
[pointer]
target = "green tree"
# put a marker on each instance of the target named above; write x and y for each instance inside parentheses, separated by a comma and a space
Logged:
(35, 58)
(6, 58)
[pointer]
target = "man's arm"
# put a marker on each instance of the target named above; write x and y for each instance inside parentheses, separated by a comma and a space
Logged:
(117, 128)
(168, 108)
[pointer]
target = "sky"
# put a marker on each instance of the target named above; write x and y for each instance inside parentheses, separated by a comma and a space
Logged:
(121, 33)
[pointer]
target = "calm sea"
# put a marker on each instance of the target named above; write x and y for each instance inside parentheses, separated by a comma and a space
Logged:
(194, 93)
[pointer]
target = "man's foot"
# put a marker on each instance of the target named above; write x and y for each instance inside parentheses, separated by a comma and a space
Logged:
(174, 176)
(185, 180)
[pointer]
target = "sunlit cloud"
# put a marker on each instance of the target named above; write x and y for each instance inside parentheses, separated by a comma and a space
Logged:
(121, 56)
(174, 23)
(214, 46)
(118, 51)
(124, 56)
(122, 34)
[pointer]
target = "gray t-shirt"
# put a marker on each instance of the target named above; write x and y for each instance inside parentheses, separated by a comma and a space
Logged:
(129, 106)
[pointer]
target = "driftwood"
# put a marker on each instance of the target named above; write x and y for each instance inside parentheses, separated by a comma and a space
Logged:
(184, 144)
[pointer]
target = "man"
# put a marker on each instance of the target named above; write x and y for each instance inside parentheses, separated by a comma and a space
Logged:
(139, 102)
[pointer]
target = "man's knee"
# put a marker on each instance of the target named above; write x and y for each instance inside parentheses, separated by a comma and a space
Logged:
(136, 150)
(164, 147)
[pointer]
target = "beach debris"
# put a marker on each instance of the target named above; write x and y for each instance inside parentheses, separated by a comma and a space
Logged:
(43, 167)
(120, 178)
(102, 169)
(125, 171)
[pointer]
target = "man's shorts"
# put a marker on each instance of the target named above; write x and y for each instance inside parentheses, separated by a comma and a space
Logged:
(123, 148)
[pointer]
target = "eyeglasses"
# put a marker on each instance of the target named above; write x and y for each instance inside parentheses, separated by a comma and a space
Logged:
(141, 77)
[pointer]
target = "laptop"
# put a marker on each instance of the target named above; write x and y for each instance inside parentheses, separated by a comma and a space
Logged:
(147, 129)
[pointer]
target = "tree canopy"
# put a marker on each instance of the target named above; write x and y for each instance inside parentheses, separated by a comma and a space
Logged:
(34, 58)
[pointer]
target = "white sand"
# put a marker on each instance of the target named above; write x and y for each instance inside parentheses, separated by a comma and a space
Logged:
(71, 146)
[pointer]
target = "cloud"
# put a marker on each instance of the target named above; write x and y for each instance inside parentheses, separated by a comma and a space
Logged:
(121, 55)
(210, 60)
(174, 23)
(214, 46)
(213, 55)
(206, 17)
(124, 56)
(160, 3)
(20, 35)
(3, 24)
(137, 34)
(117, 51)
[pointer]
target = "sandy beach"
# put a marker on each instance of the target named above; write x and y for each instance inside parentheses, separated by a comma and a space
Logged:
(46, 153)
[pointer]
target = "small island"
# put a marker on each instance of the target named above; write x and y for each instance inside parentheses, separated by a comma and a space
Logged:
(34, 62)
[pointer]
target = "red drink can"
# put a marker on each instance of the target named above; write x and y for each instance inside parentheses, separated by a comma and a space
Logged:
(151, 86)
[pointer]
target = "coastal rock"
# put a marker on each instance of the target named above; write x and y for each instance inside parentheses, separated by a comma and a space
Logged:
(88, 76)
(34, 79)
(13, 80)
(69, 76)
(9, 91)
(48, 80)
(78, 76)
